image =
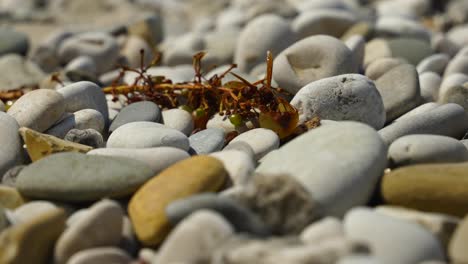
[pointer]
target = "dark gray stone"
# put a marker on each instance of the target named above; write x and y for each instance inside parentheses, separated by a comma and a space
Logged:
(89, 137)
(13, 42)
(207, 141)
(141, 111)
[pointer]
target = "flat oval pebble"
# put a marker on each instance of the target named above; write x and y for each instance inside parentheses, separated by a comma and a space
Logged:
(178, 119)
(389, 237)
(346, 158)
(88, 137)
(380, 66)
(140, 111)
(333, 22)
(322, 229)
(81, 68)
(438, 188)
(446, 120)
(156, 158)
(101, 226)
(101, 255)
(351, 97)
(458, 243)
(78, 177)
(84, 95)
(147, 135)
(261, 140)
(38, 109)
(191, 176)
(207, 141)
(12, 41)
(311, 59)
(455, 94)
(10, 198)
(11, 152)
(416, 149)
(83, 119)
(30, 210)
(239, 164)
(429, 83)
(434, 63)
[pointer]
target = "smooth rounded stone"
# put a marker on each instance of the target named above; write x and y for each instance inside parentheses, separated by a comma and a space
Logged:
(400, 90)
(10, 198)
(437, 188)
(2, 106)
(348, 157)
(240, 146)
(440, 225)
(397, 26)
(12, 41)
(38, 109)
(220, 122)
(4, 223)
(100, 255)
(99, 46)
(357, 44)
(458, 64)
(265, 33)
(360, 259)
(455, 94)
(205, 228)
(84, 95)
(11, 152)
(404, 8)
(231, 17)
(429, 84)
(456, 79)
(445, 120)
(417, 149)
(311, 59)
(239, 165)
(207, 141)
(18, 72)
(82, 119)
(412, 50)
(374, 50)
(91, 178)
(149, 27)
(129, 242)
(344, 97)
(81, 68)
(156, 158)
(441, 44)
(418, 110)
(132, 51)
(458, 242)
(188, 177)
(326, 228)
(28, 211)
(362, 28)
(180, 49)
(261, 140)
(178, 119)
(32, 241)
(326, 21)
(220, 46)
(458, 36)
(380, 66)
(145, 134)
(100, 227)
(458, 11)
(88, 137)
(241, 218)
(279, 200)
(434, 63)
(140, 111)
(389, 237)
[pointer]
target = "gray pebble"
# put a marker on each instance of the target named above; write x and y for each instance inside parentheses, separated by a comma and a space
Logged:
(207, 141)
(178, 119)
(11, 152)
(429, 83)
(434, 63)
(261, 140)
(239, 164)
(82, 119)
(100, 255)
(12, 41)
(89, 137)
(380, 66)
(333, 22)
(81, 68)
(140, 111)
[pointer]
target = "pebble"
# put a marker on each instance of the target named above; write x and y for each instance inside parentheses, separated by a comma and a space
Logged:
(397, 26)
(156, 158)
(428, 187)
(92, 177)
(319, 231)
(205, 228)
(149, 27)
(311, 59)
(84, 95)
(181, 49)
(132, 51)
(457, 247)
(140, 111)
(261, 140)
(101, 226)
(326, 21)
(38, 109)
(206, 141)
(88, 137)
(99, 46)
(100, 255)
(32, 241)
(2, 106)
(40, 145)
(400, 90)
(220, 46)
(434, 63)
(347, 158)
(240, 146)
(344, 97)
(12, 41)
(264, 33)
(357, 44)
(418, 110)
(389, 237)
(178, 119)
(361, 259)
(81, 68)
(3, 219)
(191, 176)
(242, 219)
(456, 79)
(457, 35)
(440, 43)
(239, 165)
(10, 198)
(11, 152)
(28, 211)
(82, 119)
(144, 134)
(429, 84)
(380, 66)
(445, 120)
(417, 149)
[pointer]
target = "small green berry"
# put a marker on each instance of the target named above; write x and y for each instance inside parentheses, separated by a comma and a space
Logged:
(235, 119)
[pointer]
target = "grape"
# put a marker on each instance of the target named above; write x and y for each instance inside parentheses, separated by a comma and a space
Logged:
(200, 112)
(235, 119)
